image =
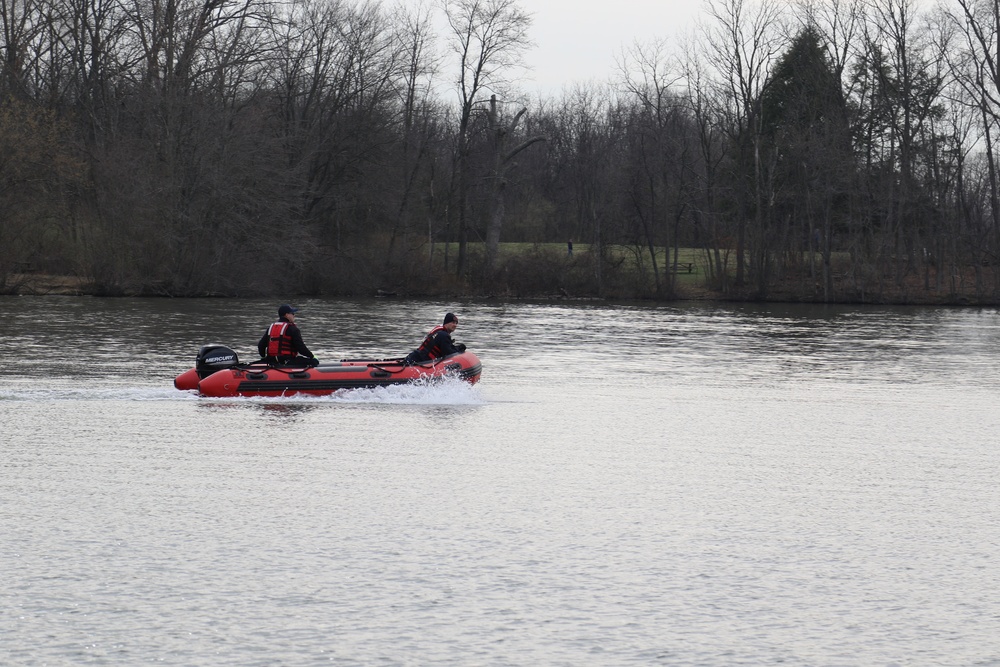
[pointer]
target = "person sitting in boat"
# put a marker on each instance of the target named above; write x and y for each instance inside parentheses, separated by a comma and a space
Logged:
(282, 343)
(438, 342)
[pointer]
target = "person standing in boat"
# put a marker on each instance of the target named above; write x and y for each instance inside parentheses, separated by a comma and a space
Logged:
(282, 342)
(438, 342)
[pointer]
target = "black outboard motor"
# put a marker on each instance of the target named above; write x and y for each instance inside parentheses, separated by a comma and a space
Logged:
(212, 358)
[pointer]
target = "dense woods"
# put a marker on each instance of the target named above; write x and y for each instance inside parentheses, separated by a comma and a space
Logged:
(829, 151)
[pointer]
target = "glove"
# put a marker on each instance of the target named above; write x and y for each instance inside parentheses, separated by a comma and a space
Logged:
(460, 347)
(314, 361)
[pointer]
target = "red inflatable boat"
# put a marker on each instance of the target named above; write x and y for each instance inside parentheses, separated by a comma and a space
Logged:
(218, 373)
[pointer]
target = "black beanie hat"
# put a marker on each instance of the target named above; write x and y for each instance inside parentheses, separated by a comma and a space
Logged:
(450, 317)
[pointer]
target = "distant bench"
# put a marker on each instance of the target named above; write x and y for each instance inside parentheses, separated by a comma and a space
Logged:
(682, 267)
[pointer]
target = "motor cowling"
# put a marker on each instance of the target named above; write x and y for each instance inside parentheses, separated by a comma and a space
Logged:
(213, 358)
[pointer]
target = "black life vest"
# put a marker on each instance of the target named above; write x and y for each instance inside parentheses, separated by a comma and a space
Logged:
(279, 341)
(429, 348)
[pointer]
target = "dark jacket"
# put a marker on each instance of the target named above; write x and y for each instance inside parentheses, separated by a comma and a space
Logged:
(297, 346)
(438, 343)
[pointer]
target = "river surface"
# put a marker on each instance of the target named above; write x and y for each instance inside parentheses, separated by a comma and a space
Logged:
(628, 485)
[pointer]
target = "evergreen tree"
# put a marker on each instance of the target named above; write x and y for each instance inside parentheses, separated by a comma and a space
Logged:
(809, 165)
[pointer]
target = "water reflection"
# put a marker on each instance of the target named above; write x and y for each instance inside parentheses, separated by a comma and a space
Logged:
(278, 410)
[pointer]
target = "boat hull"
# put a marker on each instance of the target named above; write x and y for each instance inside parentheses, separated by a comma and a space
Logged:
(325, 379)
(187, 380)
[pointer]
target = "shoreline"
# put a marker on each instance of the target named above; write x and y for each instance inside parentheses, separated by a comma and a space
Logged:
(42, 284)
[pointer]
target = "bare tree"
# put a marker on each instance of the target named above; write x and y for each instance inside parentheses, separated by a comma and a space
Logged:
(666, 151)
(22, 25)
(418, 126)
(503, 155)
(489, 38)
(974, 63)
(900, 77)
(742, 40)
(36, 164)
(707, 112)
(584, 157)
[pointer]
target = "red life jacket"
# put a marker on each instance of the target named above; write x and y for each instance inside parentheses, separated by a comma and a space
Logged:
(429, 348)
(279, 341)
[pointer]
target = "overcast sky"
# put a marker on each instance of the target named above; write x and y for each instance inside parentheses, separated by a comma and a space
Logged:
(577, 40)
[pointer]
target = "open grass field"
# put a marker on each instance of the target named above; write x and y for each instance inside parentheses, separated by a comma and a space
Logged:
(691, 262)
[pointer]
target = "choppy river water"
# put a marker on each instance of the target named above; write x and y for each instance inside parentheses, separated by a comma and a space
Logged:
(629, 485)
